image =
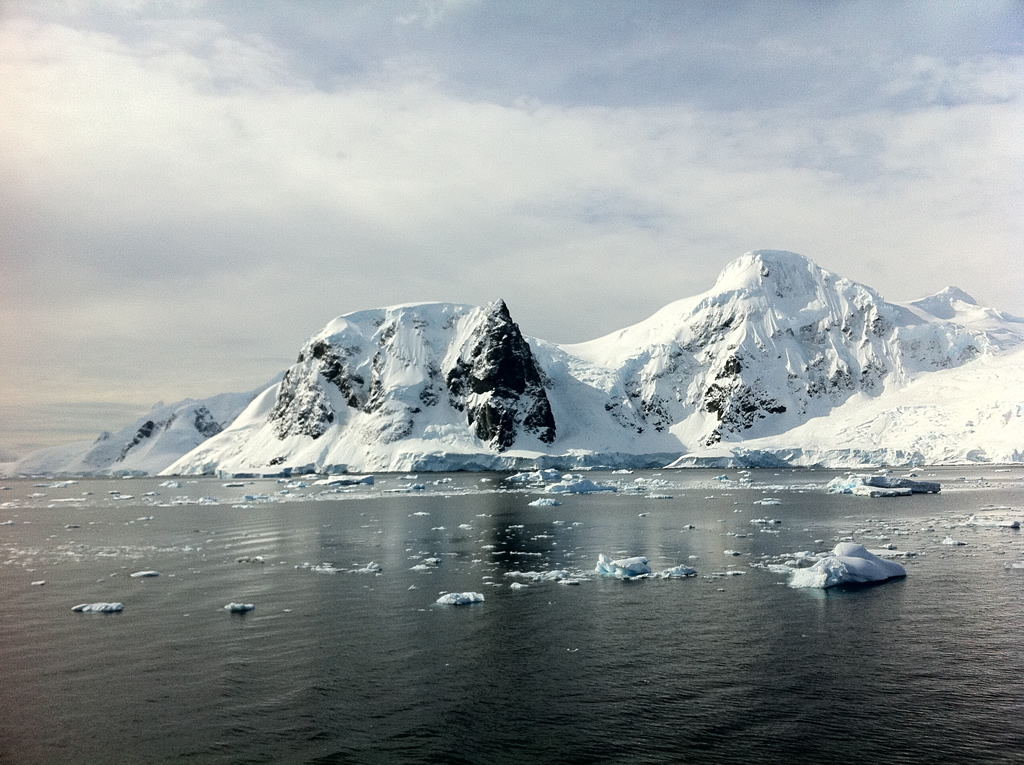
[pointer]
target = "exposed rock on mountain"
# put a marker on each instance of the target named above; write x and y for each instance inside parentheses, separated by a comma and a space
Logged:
(497, 383)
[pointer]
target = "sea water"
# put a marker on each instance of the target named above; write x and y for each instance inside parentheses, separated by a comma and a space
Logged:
(337, 663)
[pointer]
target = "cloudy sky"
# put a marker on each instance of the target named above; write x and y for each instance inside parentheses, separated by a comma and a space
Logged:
(190, 189)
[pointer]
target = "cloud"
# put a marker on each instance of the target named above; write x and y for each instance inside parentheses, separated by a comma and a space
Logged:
(187, 196)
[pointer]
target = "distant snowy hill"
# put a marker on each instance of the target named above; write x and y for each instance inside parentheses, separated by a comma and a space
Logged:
(148, 446)
(781, 362)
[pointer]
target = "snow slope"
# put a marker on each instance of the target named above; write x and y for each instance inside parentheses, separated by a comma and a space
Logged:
(780, 362)
(149, 445)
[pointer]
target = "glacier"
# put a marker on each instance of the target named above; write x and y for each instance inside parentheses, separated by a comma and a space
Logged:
(781, 363)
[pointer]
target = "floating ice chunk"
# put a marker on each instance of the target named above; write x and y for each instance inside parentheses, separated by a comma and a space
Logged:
(369, 568)
(951, 541)
(578, 485)
(239, 608)
(545, 502)
(250, 559)
(98, 608)
(518, 586)
(537, 476)
(144, 574)
(38, 583)
(556, 575)
(878, 491)
(623, 568)
(976, 521)
(427, 564)
(345, 480)
(732, 552)
(460, 598)
(678, 572)
(849, 563)
(852, 484)
(768, 501)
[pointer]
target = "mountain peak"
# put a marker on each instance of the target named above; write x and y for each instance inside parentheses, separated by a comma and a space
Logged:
(786, 272)
(941, 304)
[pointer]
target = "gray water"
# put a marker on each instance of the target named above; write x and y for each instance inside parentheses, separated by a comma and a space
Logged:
(357, 667)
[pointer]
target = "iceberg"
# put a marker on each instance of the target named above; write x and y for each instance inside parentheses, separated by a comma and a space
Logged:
(144, 574)
(849, 563)
(98, 608)
(578, 485)
(239, 608)
(881, 486)
(623, 568)
(460, 598)
(545, 502)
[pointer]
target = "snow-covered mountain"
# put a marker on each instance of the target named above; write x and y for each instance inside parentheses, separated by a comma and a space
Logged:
(149, 445)
(781, 361)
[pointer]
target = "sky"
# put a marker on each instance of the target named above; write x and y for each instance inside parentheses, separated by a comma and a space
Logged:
(189, 189)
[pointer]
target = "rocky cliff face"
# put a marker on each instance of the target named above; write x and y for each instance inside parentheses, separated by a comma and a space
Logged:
(497, 383)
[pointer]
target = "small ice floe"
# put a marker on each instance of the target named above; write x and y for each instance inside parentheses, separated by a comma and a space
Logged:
(545, 502)
(7, 523)
(250, 559)
(537, 476)
(460, 598)
(518, 586)
(144, 574)
(765, 521)
(39, 583)
(574, 484)
(427, 564)
(880, 486)
(556, 575)
(466, 526)
(233, 485)
(768, 501)
(98, 608)
(170, 484)
(950, 541)
(239, 608)
(678, 572)
(849, 563)
(974, 520)
(732, 552)
(369, 568)
(623, 568)
(346, 480)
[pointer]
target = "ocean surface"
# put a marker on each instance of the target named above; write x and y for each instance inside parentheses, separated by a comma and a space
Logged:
(338, 665)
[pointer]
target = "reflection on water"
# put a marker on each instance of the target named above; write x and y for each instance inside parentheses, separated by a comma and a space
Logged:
(353, 667)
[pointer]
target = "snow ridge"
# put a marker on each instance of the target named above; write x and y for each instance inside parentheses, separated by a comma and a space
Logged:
(780, 363)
